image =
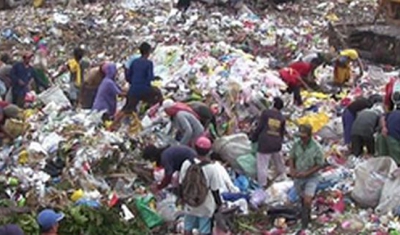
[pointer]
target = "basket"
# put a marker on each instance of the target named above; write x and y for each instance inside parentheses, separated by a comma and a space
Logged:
(56, 95)
(15, 127)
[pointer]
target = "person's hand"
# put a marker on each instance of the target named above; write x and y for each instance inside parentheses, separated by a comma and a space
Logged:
(293, 173)
(301, 175)
(384, 131)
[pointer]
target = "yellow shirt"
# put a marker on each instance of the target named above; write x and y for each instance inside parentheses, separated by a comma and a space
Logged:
(75, 68)
(350, 53)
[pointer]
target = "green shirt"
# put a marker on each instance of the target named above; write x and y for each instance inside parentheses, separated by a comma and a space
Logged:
(306, 157)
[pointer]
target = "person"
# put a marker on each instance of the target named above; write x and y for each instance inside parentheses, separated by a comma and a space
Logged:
(5, 73)
(40, 63)
(392, 93)
(206, 114)
(269, 135)
(106, 96)
(200, 217)
(139, 76)
(48, 221)
(363, 129)
(76, 68)
(21, 78)
(11, 229)
(388, 142)
(185, 120)
(306, 71)
(170, 158)
(91, 83)
(342, 67)
(306, 159)
(350, 113)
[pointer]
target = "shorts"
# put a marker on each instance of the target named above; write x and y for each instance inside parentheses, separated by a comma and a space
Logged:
(73, 92)
(202, 224)
(151, 97)
(307, 186)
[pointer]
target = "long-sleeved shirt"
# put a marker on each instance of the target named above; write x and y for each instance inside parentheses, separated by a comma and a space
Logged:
(189, 126)
(140, 75)
(21, 76)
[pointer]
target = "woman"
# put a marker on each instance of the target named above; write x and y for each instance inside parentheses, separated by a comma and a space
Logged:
(185, 120)
(106, 97)
(40, 64)
(342, 70)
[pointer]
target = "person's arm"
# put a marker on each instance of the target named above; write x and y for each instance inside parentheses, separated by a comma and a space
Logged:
(15, 75)
(215, 184)
(150, 73)
(165, 182)
(384, 126)
(61, 71)
(292, 168)
(304, 83)
(185, 127)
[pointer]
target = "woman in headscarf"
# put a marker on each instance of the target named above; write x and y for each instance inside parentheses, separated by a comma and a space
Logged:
(106, 97)
(185, 120)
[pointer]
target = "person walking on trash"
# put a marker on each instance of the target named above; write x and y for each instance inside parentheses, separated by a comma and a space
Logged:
(76, 68)
(185, 120)
(200, 185)
(106, 96)
(21, 79)
(343, 69)
(306, 159)
(269, 136)
(170, 158)
(139, 76)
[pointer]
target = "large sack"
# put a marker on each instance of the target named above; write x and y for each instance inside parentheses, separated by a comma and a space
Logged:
(370, 178)
(390, 197)
(333, 130)
(231, 147)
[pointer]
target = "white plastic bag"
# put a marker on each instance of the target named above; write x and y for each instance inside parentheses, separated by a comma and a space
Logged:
(167, 208)
(370, 178)
(390, 197)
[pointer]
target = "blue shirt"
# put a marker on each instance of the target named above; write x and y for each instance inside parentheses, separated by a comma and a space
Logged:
(392, 123)
(140, 75)
(173, 157)
(20, 72)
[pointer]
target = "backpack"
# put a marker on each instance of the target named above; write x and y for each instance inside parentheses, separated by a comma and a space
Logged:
(396, 93)
(195, 189)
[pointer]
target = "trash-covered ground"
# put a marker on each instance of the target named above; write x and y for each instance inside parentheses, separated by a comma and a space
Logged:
(68, 157)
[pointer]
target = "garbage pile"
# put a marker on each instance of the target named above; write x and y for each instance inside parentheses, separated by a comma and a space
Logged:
(67, 158)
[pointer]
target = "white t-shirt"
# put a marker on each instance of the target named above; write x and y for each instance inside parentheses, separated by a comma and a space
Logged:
(228, 185)
(214, 183)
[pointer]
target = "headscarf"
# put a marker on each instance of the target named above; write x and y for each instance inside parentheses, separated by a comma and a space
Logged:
(110, 70)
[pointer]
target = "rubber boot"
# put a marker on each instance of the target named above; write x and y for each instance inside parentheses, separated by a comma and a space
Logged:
(305, 217)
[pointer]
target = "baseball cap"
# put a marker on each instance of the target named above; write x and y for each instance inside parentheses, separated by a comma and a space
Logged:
(305, 130)
(203, 143)
(11, 229)
(48, 218)
(168, 103)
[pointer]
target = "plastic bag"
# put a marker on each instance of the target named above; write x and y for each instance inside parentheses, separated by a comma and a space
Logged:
(248, 164)
(167, 208)
(390, 197)
(317, 121)
(150, 217)
(370, 178)
(258, 197)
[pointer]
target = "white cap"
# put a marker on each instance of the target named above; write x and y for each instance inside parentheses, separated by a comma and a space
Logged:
(168, 103)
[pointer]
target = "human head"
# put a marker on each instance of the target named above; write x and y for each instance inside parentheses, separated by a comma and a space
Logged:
(27, 57)
(152, 153)
(109, 70)
(203, 146)
(78, 53)
(5, 58)
(305, 133)
(145, 49)
(167, 105)
(48, 220)
(375, 98)
(278, 103)
(11, 229)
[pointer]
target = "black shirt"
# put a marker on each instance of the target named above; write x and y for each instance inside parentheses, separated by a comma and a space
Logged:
(358, 105)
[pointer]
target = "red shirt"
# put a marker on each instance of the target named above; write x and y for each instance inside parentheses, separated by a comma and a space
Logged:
(388, 94)
(303, 68)
(3, 104)
(290, 76)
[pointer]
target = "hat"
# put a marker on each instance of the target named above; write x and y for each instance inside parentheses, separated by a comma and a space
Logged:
(11, 229)
(48, 218)
(203, 143)
(305, 130)
(168, 103)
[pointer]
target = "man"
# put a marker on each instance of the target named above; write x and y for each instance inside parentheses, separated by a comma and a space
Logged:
(170, 158)
(389, 140)
(200, 217)
(342, 69)
(21, 79)
(11, 229)
(306, 159)
(76, 68)
(269, 135)
(5, 71)
(364, 127)
(48, 221)
(306, 70)
(206, 114)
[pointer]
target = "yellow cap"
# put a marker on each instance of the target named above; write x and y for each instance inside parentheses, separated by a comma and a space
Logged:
(78, 194)
(351, 53)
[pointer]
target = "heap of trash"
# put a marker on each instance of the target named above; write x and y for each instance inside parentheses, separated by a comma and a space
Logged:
(69, 160)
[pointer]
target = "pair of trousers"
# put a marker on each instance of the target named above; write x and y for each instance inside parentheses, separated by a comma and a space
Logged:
(359, 142)
(347, 121)
(151, 98)
(263, 166)
(295, 90)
